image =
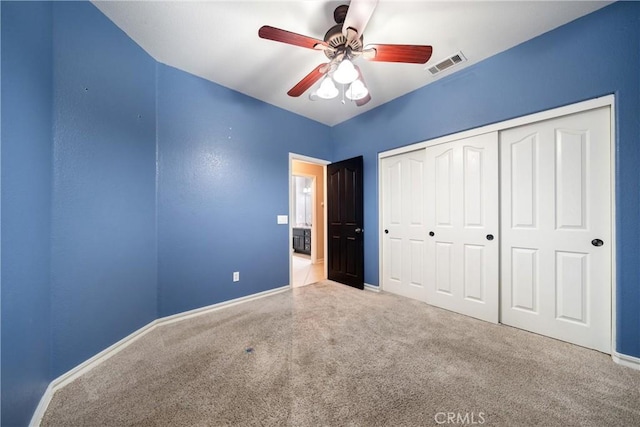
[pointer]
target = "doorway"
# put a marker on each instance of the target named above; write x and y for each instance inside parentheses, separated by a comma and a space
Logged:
(307, 225)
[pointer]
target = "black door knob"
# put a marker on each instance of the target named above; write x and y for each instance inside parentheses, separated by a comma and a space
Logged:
(386, 231)
(489, 236)
(431, 233)
(597, 242)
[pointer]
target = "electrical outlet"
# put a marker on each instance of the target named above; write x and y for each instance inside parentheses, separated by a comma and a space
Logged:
(236, 276)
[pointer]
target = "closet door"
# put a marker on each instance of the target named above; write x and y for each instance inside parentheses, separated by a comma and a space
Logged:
(403, 238)
(556, 228)
(462, 251)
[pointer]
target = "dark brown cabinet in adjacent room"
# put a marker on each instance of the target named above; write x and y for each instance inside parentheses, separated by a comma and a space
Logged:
(302, 240)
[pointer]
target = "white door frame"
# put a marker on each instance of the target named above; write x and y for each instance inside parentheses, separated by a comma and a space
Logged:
(320, 162)
(604, 101)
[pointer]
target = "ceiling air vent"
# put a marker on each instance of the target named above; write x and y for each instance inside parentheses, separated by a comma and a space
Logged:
(446, 63)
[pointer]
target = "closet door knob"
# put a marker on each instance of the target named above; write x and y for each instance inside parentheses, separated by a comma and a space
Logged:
(597, 242)
(386, 231)
(489, 236)
(431, 233)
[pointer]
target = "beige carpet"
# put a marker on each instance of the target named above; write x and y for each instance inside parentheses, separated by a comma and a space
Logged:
(327, 354)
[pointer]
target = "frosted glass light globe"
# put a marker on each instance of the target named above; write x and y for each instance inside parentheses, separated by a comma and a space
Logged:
(356, 91)
(346, 72)
(327, 89)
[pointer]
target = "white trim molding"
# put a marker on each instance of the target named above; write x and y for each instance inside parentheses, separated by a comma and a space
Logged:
(625, 360)
(372, 288)
(214, 307)
(591, 104)
(36, 419)
(114, 349)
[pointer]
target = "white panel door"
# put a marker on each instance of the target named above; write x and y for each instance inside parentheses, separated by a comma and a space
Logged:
(555, 194)
(403, 239)
(462, 251)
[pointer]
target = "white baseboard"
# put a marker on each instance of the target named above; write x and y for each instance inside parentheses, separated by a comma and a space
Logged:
(208, 309)
(624, 360)
(371, 288)
(85, 367)
(42, 406)
(112, 350)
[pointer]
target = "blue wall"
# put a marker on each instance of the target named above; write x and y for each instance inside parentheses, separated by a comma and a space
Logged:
(90, 114)
(596, 55)
(26, 200)
(104, 257)
(223, 179)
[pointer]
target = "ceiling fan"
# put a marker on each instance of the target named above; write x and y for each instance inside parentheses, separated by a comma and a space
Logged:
(343, 44)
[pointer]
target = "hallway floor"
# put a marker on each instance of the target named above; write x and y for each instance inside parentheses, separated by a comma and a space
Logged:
(304, 272)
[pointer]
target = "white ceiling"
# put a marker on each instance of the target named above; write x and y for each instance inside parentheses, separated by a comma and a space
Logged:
(218, 40)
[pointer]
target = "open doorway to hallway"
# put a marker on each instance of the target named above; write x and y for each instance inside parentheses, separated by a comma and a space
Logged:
(304, 272)
(307, 178)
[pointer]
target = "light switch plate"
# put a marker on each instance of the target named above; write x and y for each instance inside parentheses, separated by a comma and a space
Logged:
(283, 219)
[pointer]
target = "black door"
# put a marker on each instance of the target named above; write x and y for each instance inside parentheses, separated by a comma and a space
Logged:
(345, 222)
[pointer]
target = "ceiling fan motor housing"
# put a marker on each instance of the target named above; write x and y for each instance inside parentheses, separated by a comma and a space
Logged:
(337, 41)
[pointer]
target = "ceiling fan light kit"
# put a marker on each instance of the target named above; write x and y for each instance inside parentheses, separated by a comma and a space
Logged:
(327, 89)
(345, 73)
(356, 91)
(342, 44)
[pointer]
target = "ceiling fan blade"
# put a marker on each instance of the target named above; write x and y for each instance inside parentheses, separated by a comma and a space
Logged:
(358, 17)
(308, 80)
(362, 101)
(408, 53)
(284, 36)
